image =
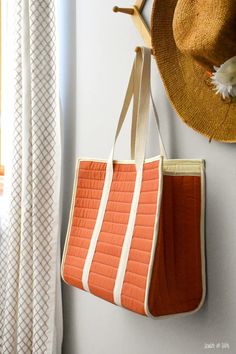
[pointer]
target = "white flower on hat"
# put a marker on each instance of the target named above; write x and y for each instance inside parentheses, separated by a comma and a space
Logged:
(224, 78)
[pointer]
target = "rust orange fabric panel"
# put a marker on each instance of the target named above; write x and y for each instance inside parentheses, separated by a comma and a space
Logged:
(109, 246)
(106, 258)
(176, 284)
(90, 182)
(134, 286)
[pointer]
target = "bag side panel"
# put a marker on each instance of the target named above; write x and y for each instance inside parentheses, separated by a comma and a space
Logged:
(88, 192)
(177, 284)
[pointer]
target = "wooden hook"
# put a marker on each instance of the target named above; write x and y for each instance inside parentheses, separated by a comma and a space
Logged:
(138, 48)
(128, 11)
(136, 15)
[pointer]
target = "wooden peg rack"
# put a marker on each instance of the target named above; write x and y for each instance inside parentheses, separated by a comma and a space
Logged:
(136, 12)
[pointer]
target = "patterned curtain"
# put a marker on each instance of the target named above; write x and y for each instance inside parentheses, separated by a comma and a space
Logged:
(30, 303)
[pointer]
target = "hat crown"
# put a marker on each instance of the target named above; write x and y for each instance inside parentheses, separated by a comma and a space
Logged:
(205, 30)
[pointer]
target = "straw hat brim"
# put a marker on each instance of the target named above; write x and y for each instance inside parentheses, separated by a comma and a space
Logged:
(185, 81)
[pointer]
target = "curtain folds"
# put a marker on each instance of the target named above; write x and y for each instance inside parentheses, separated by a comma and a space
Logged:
(30, 294)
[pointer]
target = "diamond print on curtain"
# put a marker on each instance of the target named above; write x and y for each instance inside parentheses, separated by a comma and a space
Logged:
(29, 257)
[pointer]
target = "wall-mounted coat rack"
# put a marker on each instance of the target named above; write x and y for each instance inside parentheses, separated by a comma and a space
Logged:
(136, 12)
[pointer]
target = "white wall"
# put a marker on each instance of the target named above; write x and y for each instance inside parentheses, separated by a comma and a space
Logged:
(105, 50)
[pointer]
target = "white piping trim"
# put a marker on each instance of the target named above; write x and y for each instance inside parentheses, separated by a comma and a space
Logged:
(151, 159)
(166, 162)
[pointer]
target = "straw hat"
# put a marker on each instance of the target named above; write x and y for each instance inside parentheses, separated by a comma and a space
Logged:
(194, 42)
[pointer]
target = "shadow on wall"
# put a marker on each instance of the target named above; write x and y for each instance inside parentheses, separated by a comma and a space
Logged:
(67, 26)
(67, 82)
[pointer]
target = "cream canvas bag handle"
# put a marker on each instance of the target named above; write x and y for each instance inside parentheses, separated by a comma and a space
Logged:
(135, 115)
(140, 76)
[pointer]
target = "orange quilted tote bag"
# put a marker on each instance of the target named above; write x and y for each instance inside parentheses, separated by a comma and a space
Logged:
(136, 230)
